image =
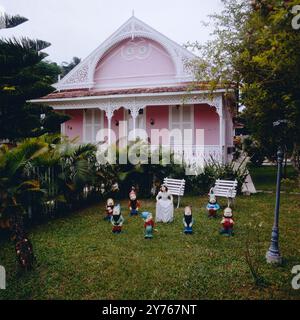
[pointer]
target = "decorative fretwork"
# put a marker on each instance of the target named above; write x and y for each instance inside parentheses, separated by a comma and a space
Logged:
(136, 103)
(80, 76)
(83, 75)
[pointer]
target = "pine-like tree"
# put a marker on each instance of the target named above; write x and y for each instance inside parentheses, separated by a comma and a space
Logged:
(8, 21)
(25, 76)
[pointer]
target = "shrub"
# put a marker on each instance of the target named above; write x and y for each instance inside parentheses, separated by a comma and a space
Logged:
(255, 151)
(213, 170)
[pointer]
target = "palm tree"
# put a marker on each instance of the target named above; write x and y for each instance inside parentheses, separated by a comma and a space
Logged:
(15, 184)
(15, 187)
(77, 168)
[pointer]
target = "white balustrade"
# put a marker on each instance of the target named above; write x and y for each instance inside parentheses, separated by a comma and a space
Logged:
(193, 154)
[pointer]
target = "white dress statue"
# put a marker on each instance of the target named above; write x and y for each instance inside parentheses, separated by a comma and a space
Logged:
(164, 206)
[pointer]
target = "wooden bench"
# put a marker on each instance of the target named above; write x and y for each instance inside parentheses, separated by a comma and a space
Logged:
(225, 188)
(175, 187)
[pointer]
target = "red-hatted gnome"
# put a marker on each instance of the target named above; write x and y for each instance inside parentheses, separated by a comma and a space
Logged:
(133, 205)
(117, 219)
(212, 206)
(227, 222)
(110, 204)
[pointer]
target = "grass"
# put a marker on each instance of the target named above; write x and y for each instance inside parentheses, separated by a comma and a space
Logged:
(264, 178)
(79, 258)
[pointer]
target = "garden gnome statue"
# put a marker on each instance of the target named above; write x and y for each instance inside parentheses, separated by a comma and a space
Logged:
(227, 222)
(115, 191)
(212, 206)
(188, 220)
(117, 219)
(109, 209)
(134, 204)
(148, 225)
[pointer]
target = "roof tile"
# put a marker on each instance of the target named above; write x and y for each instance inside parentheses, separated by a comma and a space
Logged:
(95, 93)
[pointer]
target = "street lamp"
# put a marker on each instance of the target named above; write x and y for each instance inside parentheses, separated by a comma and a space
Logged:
(273, 254)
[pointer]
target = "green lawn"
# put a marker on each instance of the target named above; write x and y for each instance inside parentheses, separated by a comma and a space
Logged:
(264, 178)
(79, 257)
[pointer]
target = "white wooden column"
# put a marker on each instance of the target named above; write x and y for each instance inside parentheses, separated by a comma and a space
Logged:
(134, 112)
(218, 103)
(63, 125)
(109, 112)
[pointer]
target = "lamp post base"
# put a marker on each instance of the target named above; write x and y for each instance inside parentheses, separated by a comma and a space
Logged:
(273, 258)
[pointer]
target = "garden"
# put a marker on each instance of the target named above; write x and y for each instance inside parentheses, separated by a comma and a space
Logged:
(78, 257)
(58, 237)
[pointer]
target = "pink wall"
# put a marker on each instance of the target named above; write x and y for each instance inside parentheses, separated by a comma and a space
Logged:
(206, 118)
(134, 63)
(160, 115)
(74, 127)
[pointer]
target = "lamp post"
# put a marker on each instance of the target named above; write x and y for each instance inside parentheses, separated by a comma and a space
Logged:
(273, 254)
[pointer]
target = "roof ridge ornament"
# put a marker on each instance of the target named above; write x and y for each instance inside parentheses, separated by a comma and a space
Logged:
(132, 26)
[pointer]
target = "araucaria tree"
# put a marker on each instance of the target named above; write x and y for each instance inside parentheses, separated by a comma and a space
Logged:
(255, 47)
(24, 76)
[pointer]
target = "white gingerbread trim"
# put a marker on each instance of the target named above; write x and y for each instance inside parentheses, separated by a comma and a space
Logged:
(82, 76)
(133, 102)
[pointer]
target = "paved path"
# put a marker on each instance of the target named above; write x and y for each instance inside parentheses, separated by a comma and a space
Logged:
(248, 186)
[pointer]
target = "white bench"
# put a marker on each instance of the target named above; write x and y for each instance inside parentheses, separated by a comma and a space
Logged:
(175, 187)
(225, 188)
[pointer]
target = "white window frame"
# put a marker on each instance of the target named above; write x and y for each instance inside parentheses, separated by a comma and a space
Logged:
(93, 124)
(181, 122)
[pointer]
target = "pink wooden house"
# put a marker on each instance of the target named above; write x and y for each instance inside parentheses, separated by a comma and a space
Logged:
(140, 75)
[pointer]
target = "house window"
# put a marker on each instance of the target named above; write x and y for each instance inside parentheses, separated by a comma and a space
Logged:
(93, 122)
(181, 117)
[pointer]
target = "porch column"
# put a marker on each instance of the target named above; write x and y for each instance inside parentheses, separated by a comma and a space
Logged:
(134, 112)
(219, 107)
(109, 114)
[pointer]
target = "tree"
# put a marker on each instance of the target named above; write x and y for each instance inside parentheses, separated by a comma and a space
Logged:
(24, 76)
(269, 62)
(15, 188)
(7, 21)
(68, 66)
(255, 47)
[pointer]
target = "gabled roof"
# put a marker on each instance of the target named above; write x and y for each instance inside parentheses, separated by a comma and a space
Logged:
(82, 76)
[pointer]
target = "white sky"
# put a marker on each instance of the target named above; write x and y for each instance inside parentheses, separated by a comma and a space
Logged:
(77, 27)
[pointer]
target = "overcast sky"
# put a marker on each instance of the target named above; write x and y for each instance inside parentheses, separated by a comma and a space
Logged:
(77, 27)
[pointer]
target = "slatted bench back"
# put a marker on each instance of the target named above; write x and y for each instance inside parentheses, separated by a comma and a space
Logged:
(175, 186)
(225, 188)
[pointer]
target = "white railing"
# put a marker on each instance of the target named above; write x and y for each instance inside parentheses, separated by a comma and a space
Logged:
(194, 154)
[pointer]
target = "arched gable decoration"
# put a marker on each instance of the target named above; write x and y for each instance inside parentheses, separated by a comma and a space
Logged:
(82, 76)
